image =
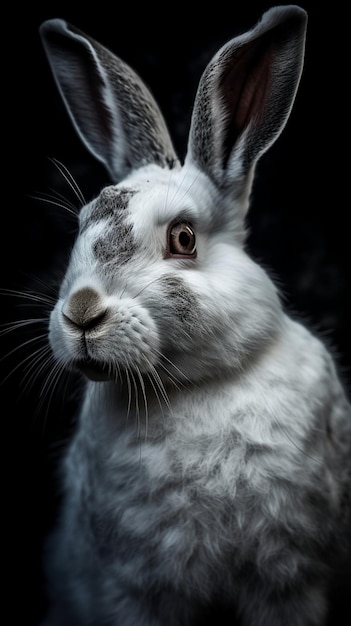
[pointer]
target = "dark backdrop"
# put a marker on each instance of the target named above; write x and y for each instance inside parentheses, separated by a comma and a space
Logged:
(298, 221)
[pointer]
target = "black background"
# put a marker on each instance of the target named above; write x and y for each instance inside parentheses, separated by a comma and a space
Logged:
(298, 221)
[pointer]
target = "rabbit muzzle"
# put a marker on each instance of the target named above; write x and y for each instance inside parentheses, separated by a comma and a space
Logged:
(102, 335)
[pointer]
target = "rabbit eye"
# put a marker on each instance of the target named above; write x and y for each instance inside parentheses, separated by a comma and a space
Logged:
(181, 241)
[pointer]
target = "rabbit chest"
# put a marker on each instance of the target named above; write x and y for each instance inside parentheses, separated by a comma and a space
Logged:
(213, 485)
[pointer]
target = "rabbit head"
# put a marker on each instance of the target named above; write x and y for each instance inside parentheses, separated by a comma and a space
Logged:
(159, 282)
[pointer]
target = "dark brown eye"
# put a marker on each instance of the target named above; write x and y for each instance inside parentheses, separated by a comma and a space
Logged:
(181, 241)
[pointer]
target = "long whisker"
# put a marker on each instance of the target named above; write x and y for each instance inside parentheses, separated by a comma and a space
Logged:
(171, 173)
(55, 377)
(47, 384)
(19, 347)
(142, 385)
(146, 287)
(67, 206)
(41, 359)
(136, 396)
(34, 369)
(66, 174)
(158, 386)
(182, 188)
(173, 366)
(13, 326)
(29, 295)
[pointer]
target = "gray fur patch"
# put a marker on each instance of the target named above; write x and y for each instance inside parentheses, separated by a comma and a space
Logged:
(182, 302)
(117, 242)
(109, 202)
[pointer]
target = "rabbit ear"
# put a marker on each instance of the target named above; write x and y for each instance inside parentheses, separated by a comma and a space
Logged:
(113, 112)
(245, 96)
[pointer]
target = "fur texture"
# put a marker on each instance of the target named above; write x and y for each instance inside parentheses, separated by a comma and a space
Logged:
(211, 460)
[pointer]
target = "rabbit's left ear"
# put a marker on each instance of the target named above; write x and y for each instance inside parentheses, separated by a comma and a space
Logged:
(245, 96)
(112, 110)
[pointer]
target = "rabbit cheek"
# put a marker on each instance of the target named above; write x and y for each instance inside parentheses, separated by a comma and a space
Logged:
(182, 308)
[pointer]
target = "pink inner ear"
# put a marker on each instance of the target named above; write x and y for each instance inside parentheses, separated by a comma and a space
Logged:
(244, 85)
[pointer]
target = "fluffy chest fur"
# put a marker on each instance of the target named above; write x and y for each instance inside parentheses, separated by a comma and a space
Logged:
(214, 479)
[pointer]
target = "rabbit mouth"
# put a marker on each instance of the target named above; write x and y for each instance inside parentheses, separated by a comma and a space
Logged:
(94, 370)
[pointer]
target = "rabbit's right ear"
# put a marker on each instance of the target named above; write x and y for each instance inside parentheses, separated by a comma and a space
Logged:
(112, 110)
(245, 96)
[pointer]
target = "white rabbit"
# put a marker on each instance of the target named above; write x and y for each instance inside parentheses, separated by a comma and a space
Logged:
(210, 466)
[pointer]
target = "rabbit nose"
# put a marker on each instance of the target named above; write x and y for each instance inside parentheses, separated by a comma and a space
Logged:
(84, 308)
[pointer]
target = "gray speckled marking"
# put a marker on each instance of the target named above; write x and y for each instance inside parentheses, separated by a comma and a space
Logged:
(117, 242)
(182, 303)
(107, 204)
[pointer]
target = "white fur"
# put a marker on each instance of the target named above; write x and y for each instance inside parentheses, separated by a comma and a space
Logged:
(211, 460)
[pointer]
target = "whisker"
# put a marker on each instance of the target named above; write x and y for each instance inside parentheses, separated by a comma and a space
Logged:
(154, 376)
(118, 375)
(24, 360)
(56, 202)
(136, 395)
(181, 187)
(171, 172)
(13, 326)
(29, 295)
(146, 287)
(53, 379)
(35, 369)
(172, 376)
(57, 366)
(142, 385)
(21, 346)
(57, 195)
(129, 393)
(45, 285)
(57, 199)
(66, 174)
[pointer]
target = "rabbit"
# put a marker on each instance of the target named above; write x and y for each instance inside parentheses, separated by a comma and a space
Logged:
(209, 469)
